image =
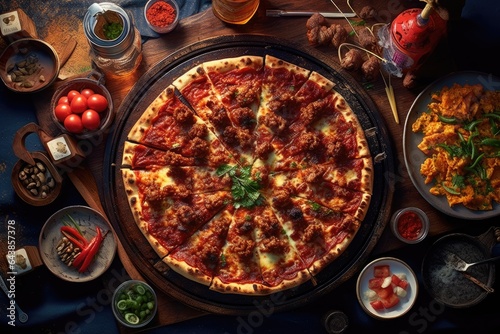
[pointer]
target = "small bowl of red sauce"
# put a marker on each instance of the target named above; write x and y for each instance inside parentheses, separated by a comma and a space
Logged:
(410, 225)
(161, 16)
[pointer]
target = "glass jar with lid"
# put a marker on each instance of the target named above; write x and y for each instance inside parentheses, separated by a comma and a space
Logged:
(115, 43)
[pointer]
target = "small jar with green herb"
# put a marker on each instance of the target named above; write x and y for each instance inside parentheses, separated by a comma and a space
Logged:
(115, 43)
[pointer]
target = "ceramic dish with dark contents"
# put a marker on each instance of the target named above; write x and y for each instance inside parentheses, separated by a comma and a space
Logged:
(77, 244)
(29, 65)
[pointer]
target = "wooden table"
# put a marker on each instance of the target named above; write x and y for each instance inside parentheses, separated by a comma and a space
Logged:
(205, 25)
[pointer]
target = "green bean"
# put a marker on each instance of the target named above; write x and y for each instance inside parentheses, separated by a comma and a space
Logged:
(491, 142)
(476, 161)
(492, 115)
(450, 190)
(448, 120)
(472, 125)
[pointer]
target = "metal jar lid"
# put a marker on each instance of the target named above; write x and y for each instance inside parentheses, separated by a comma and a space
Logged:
(104, 47)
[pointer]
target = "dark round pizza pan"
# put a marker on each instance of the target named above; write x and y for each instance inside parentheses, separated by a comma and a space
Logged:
(150, 85)
(449, 286)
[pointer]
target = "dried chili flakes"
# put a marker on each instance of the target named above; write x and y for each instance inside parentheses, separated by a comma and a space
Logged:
(161, 14)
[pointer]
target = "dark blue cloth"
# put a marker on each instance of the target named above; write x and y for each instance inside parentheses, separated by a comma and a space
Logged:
(42, 12)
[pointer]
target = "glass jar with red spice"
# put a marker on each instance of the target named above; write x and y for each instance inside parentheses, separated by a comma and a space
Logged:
(161, 16)
(410, 225)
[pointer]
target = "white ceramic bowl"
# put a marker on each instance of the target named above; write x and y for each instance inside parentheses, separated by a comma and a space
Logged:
(162, 29)
(397, 267)
(129, 294)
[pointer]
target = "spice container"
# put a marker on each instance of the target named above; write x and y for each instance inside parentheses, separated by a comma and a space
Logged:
(115, 43)
(15, 25)
(161, 16)
(235, 11)
(410, 225)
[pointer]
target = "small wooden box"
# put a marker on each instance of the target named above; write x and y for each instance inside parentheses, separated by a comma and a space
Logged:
(15, 25)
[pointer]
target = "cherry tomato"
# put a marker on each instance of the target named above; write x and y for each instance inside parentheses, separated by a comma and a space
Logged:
(79, 104)
(87, 92)
(63, 100)
(71, 94)
(62, 111)
(91, 119)
(97, 102)
(73, 123)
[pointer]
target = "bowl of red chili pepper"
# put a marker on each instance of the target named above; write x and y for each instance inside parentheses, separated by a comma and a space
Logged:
(162, 16)
(77, 244)
(410, 225)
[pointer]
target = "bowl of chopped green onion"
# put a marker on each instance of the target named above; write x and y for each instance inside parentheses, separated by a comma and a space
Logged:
(134, 303)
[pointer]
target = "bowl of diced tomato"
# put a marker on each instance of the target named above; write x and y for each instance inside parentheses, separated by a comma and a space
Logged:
(387, 288)
(82, 107)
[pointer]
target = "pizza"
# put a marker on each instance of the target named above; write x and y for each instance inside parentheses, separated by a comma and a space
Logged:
(249, 175)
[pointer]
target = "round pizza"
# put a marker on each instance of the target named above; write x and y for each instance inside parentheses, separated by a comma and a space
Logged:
(248, 174)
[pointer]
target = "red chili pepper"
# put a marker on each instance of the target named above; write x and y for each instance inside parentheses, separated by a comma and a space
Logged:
(93, 249)
(83, 254)
(74, 236)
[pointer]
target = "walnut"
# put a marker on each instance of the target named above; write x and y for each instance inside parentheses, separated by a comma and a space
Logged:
(410, 80)
(371, 68)
(320, 33)
(352, 60)
(367, 40)
(367, 13)
(316, 20)
(340, 35)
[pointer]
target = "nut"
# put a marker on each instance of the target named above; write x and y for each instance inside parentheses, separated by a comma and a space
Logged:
(67, 251)
(37, 180)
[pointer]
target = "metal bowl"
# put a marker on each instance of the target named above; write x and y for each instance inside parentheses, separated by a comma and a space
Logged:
(29, 65)
(449, 286)
(162, 29)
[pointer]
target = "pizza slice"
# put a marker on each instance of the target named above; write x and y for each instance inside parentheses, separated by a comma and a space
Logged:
(342, 134)
(237, 82)
(239, 270)
(139, 156)
(327, 132)
(310, 101)
(199, 257)
(329, 194)
(168, 124)
(197, 89)
(207, 151)
(318, 233)
(174, 180)
(354, 174)
(168, 216)
(277, 110)
(280, 263)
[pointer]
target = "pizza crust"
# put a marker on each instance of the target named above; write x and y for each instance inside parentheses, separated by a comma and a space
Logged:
(136, 207)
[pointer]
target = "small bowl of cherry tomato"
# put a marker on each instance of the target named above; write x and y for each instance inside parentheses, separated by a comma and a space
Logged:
(410, 225)
(82, 107)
